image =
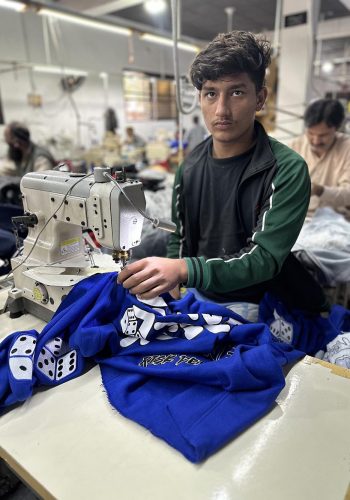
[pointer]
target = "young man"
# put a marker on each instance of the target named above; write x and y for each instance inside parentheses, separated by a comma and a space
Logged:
(240, 197)
(327, 153)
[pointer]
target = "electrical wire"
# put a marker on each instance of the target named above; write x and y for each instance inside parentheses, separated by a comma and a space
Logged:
(165, 225)
(46, 223)
(174, 24)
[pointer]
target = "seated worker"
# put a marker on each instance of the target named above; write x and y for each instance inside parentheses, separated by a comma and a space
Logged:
(24, 155)
(133, 139)
(240, 197)
(327, 153)
(195, 135)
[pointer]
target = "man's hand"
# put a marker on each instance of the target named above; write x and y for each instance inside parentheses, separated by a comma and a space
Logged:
(152, 276)
(316, 189)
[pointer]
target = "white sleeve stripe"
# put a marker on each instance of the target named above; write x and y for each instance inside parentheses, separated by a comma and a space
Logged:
(181, 229)
(266, 211)
(234, 258)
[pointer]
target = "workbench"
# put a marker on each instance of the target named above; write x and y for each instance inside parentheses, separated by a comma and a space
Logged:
(68, 443)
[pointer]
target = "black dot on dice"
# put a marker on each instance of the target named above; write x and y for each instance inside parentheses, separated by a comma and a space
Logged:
(40, 365)
(43, 351)
(57, 346)
(34, 341)
(28, 351)
(46, 361)
(52, 360)
(23, 368)
(59, 374)
(13, 351)
(56, 352)
(22, 339)
(60, 361)
(71, 368)
(72, 355)
(57, 339)
(71, 362)
(50, 373)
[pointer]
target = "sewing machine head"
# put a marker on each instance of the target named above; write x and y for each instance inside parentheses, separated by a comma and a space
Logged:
(58, 207)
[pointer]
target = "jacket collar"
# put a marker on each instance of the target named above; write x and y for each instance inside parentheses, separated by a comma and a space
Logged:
(263, 156)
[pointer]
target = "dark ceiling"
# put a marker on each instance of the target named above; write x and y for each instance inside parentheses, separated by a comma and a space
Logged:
(203, 19)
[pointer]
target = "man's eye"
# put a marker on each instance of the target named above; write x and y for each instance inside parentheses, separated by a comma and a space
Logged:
(210, 94)
(237, 92)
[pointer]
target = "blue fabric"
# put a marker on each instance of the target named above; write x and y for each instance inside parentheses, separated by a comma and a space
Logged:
(306, 332)
(194, 373)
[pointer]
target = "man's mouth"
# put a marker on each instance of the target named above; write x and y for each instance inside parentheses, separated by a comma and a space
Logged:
(222, 124)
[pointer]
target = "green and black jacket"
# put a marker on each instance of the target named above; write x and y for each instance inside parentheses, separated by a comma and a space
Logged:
(272, 201)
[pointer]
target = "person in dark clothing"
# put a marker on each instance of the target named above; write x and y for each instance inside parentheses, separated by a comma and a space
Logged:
(240, 197)
(26, 156)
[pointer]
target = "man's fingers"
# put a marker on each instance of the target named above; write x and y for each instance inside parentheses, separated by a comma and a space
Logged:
(152, 293)
(129, 270)
(145, 286)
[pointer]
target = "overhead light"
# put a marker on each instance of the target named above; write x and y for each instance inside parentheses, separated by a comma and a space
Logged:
(57, 70)
(169, 42)
(327, 67)
(10, 4)
(155, 6)
(84, 21)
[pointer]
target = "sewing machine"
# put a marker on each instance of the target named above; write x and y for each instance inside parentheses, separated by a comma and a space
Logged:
(58, 206)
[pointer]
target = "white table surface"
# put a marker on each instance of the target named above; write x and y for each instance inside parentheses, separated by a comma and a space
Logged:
(69, 443)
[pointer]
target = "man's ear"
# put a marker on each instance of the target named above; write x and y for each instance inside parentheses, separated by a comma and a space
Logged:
(261, 98)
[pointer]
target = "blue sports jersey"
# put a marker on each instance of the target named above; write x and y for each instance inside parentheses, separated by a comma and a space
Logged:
(195, 374)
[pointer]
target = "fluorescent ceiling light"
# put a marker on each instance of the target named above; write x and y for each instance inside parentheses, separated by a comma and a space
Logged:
(57, 70)
(91, 23)
(9, 4)
(169, 42)
(155, 6)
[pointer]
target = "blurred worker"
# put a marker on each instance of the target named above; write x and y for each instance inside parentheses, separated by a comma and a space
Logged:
(23, 154)
(195, 135)
(240, 197)
(327, 153)
(132, 139)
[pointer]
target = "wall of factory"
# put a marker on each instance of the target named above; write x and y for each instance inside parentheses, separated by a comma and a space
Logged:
(91, 50)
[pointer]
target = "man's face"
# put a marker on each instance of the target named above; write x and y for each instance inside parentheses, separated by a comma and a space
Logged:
(229, 106)
(320, 137)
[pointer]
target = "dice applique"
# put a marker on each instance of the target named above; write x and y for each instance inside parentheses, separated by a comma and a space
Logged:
(55, 361)
(281, 329)
(21, 357)
(46, 363)
(66, 365)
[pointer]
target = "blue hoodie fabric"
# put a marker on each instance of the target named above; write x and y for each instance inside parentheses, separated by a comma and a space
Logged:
(194, 373)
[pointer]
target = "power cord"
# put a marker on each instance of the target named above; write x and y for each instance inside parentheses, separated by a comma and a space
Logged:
(46, 223)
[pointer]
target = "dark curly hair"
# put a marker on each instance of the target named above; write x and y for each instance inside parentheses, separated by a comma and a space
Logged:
(230, 53)
(329, 111)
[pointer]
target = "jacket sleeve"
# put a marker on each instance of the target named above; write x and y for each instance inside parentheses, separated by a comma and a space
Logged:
(279, 223)
(176, 246)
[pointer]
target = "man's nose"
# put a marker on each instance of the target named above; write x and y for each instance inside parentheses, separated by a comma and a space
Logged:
(221, 106)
